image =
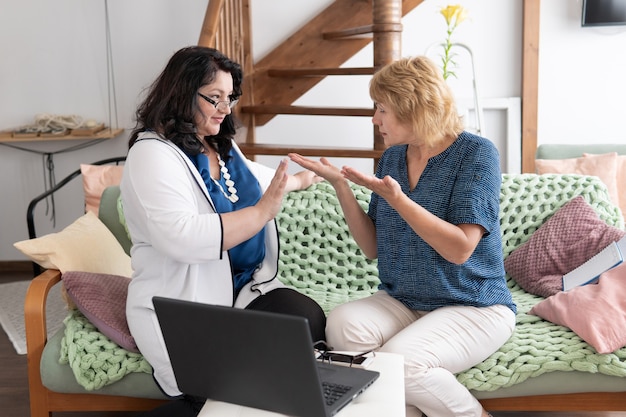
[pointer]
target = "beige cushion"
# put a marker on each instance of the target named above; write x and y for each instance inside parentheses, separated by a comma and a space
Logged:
(95, 179)
(85, 245)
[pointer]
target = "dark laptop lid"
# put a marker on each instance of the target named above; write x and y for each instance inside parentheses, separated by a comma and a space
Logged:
(251, 358)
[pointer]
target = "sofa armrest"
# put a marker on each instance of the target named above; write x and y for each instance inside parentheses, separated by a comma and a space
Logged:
(110, 215)
(35, 320)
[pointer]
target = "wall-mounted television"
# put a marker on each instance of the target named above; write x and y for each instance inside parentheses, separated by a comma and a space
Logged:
(604, 12)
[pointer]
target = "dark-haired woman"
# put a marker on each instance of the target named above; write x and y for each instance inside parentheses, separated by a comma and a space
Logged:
(201, 215)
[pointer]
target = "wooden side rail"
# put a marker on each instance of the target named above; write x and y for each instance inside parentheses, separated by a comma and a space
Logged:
(35, 316)
(586, 401)
(43, 401)
(36, 337)
(211, 23)
(226, 27)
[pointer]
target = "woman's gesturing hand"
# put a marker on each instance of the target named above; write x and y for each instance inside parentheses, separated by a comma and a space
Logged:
(387, 187)
(322, 168)
(272, 199)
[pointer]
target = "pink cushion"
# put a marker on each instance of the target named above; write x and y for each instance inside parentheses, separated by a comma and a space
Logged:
(602, 166)
(102, 299)
(95, 179)
(596, 312)
(565, 241)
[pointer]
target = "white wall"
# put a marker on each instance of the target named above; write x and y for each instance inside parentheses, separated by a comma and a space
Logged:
(54, 61)
(582, 88)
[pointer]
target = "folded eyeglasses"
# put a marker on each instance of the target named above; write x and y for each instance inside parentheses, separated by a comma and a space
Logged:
(325, 353)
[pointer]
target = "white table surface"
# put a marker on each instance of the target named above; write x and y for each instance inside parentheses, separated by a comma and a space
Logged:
(385, 397)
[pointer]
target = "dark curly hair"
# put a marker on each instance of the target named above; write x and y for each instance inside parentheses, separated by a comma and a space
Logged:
(172, 100)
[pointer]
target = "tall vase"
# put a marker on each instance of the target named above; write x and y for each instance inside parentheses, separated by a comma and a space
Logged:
(478, 126)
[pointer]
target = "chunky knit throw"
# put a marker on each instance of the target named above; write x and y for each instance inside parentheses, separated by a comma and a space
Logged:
(95, 360)
(319, 258)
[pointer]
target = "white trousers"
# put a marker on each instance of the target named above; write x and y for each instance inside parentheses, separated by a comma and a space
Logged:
(435, 345)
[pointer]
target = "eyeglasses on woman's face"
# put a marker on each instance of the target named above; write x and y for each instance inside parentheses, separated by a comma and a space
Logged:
(220, 105)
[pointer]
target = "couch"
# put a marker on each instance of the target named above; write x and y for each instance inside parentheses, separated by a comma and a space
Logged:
(543, 367)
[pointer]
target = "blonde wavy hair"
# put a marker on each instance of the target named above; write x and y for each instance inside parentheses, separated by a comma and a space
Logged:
(415, 91)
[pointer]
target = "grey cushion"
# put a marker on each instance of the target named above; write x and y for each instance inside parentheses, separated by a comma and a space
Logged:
(552, 151)
(60, 378)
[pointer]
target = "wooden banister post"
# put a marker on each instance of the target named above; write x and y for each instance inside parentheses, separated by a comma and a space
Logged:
(387, 40)
(387, 31)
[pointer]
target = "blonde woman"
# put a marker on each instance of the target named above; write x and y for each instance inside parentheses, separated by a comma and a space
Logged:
(433, 225)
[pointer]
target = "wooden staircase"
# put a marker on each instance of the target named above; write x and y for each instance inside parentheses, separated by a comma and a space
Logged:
(314, 52)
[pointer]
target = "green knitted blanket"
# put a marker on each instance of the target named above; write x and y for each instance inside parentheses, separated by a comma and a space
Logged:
(319, 258)
(95, 360)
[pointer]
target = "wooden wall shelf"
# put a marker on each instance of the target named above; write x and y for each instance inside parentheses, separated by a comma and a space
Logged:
(103, 134)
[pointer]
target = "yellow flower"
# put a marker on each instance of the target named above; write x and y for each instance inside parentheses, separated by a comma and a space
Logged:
(454, 15)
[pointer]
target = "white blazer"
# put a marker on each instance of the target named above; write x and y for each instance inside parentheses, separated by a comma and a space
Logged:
(177, 244)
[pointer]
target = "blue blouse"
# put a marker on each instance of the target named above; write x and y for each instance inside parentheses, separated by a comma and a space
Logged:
(246, 256)
(460, 185)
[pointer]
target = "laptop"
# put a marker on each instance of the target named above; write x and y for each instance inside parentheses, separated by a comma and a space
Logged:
(253, 358)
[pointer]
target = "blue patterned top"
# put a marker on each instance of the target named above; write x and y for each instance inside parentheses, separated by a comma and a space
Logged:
(246, 256)
(460, 185)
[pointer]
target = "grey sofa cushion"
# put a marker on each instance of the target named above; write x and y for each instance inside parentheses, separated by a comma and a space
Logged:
(60, 378)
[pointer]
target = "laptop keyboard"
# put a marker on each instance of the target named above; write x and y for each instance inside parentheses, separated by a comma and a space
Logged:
(332, 392)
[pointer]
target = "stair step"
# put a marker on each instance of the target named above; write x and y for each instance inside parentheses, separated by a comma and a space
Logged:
(365, 31)
(360, 31)
(318, 72)
(282, 150)
(309, 111)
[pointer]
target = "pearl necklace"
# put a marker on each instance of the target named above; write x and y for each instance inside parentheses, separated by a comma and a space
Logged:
(233, 197)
